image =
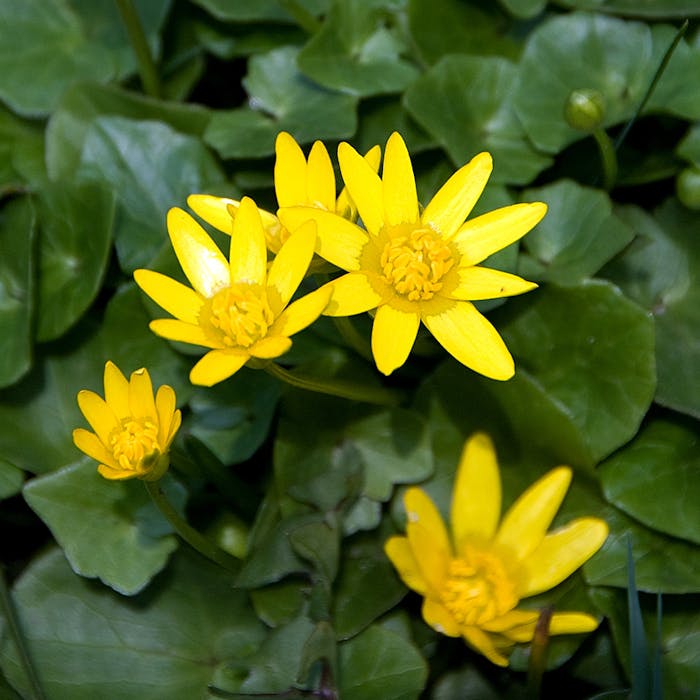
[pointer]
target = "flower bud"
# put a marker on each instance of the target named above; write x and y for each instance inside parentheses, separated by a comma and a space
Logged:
(584, 110)
(688, 187)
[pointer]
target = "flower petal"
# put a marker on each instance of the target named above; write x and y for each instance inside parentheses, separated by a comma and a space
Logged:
(320, 179)
(484, 283)
(351, 294)
(214, 210)
(400, 553)
(116, 473)
(524, 525)
(141, 401)
(93, 447)
(165, 408)
(427, 536)
(290, 172)
(345, 206)
(216, 366)
(572, 623)
(393, 335)
(491, 232)
(270, 346)
(172, 296)
(98, 414)
(172, 329)
(476, 497)
(483, 643)
(116, 390)
(398, 184)
(300, 313)
(439, 618)
(511, 619)
(338, 240)
(561, 553)
(248, 250)
(470, 338)
(364, 186)
(175, 424)
(200, 259)
(452, 203)
(289, 266)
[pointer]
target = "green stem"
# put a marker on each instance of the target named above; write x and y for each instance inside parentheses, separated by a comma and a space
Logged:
(334, 387)
(608, 157)
(538, 654)
(353, 337)
(301, 16)
(139, 43)
(193, 538)
(15, 631)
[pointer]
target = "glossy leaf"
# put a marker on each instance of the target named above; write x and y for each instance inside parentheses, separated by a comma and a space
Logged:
(652, 9)
(261, 10)
(11, 480)
(524, 8)
(21, 152)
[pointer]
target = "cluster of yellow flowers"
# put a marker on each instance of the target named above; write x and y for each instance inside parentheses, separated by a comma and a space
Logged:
(408, 265)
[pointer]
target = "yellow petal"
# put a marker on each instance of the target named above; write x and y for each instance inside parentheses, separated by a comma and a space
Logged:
(320, 184)
(248, 249)
(338, 240)
(452, 203)
(300, 313)
(116, 473)
(393, 335)
(141, 401)
(439, 618)
(345, 206)
(398, 183)
(175, 423)
(290, 172)
(116, 390)
(364, 186)
(351, 294)
(561, 553)
(214, 210)
(289, 266)
(270, 346)
(476, 497)
(483, 643)
(524, 525)
(427, 536)
(484, 283)
(401, 555)
(470, 338)
(572, 623)
(511, 619)
(177, 299)
(200, 259)
(491, 232)
(216, 366)
(165, 408)
(93, 447)
(98, 414)
(172, 329)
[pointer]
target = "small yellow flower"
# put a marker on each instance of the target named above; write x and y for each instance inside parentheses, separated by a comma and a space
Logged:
(133, 431)
(473, 580)
(298, 182)
(236, 308)
(416, 265)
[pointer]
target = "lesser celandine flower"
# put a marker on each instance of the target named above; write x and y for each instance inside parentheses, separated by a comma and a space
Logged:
(298, 182)
(237, 308)
(413, 264)
(133, 430)
(473, 578)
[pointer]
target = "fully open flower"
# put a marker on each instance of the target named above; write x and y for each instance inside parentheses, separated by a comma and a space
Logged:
(133, 430)
(473, 580)
(236, 308)
(298, 182)
(416, 265)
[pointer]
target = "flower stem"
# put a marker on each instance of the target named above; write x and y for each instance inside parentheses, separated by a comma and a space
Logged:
(538, 654)
(193, 538)
(334, 387)
(139, 43)
(301, 16)
(352, 337)
(608, 157)
(15, 632)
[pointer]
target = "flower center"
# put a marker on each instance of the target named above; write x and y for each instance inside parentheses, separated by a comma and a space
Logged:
(414, 261)
(478, 588)
(238, 315)
(134, 443)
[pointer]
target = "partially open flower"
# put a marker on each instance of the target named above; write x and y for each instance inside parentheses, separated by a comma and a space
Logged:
(473, 580)
(133, 430)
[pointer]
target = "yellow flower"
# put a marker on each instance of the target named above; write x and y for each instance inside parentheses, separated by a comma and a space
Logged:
(298, 182)
(236, 308)
(473, 580)
(133, 431)
(416, 265)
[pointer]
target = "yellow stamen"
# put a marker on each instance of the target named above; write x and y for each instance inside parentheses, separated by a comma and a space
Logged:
(134, 443)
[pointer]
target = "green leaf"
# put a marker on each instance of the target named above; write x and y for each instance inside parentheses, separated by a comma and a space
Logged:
(318, 542)
(593, 351)
(76, 239)
(380, 664)
(17, 231)
(652, 9)
(466, 684)
(278, 603)
(577, 237)
(259, 11)
(524, 8)
(359, 50)
(280, 99)
(643, 479)
(11, 480)
(82, 508)
(21, 152)
(168, 643)
(465, 103)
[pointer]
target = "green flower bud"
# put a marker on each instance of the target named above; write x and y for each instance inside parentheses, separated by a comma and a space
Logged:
(584, 110)
(688, 187)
